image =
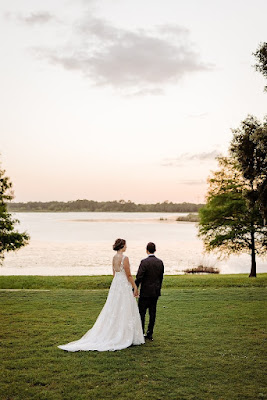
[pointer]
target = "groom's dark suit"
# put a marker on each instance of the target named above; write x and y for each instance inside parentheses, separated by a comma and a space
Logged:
(150, 275)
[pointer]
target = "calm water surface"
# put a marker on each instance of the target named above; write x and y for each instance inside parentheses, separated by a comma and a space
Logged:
(81, 244)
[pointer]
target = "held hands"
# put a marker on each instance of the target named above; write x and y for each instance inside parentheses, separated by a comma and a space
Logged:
(135, 292)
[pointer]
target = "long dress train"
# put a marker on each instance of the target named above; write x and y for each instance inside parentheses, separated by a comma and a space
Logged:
(118, 325)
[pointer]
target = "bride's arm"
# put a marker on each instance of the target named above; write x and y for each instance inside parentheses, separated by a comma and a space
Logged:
(129, 275)
(113, 270)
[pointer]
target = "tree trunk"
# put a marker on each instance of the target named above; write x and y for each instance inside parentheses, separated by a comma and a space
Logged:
(253, 257)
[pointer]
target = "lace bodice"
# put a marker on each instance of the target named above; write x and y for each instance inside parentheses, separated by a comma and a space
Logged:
(121, 268)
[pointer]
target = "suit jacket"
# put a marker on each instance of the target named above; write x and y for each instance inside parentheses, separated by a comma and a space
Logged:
(150, 275)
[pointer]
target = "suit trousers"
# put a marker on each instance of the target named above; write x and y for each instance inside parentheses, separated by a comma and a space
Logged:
(149, 303)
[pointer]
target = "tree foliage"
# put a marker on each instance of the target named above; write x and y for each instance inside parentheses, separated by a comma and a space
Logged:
(225, 221)
(228, 224)
(10, 238)
(249, 148)
(261, 56)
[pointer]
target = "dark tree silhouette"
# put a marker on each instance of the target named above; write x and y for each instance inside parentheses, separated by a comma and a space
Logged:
(227, 222)
(261, 56)
(10, 239)
(234, 218)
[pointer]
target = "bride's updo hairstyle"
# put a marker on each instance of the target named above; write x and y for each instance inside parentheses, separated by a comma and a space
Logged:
(119, 244)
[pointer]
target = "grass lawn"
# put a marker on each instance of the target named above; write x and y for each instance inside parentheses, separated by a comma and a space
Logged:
(209, 341)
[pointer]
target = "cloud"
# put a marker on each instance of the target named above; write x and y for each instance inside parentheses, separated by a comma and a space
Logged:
(198, 115)
(204, 156)
(187, 157)
(144, 92)
(142, 61)
(35, 18)
(173, 30)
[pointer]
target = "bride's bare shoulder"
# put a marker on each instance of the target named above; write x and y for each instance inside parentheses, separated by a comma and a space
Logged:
(116, 258)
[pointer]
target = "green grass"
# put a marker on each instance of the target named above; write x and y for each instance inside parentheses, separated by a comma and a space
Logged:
(209, 343)
(103, 282)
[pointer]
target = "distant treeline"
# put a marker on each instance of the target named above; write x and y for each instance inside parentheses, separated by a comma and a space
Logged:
(101, 206)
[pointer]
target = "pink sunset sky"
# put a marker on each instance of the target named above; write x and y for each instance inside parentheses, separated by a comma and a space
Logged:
(124, 99)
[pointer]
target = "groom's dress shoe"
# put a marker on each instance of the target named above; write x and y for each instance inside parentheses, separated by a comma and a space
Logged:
(149, 338)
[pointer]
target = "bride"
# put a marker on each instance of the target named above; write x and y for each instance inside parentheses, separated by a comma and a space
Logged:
(118, 325)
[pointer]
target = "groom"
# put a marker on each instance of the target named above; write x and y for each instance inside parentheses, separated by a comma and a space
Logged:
(150, 275)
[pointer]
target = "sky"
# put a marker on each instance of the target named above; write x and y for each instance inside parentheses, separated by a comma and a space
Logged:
(124, 99)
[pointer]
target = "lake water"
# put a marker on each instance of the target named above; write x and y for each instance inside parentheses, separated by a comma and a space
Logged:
(81, 244)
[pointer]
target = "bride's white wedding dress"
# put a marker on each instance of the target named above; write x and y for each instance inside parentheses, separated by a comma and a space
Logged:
(118, 325)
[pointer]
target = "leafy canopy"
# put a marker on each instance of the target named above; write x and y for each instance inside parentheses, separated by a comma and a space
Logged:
(226, 220)
(249, 148)
(10, 238)
(261, 56)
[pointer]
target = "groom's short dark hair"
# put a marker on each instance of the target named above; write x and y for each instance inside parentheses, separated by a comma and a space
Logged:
(151, 247)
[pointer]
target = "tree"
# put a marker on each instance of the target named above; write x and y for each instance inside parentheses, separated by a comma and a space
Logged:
(261, 55)
(249, 148)
(10, 239)
(227, 223)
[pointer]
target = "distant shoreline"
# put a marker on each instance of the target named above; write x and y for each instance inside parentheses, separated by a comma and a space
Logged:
(186, 218)
(105, 206)
(189, 217)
